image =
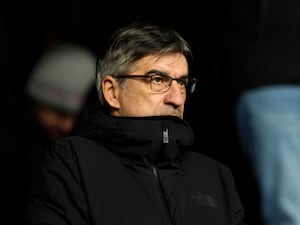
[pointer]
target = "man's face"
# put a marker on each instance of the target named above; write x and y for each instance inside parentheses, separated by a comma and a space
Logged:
(55, 123)
(137, 99)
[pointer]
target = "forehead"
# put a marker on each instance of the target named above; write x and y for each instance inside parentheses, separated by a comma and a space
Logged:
(175, 64)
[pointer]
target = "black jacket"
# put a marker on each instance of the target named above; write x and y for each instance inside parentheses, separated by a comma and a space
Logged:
(127, 171)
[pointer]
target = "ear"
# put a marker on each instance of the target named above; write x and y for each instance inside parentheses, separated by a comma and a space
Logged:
(111, 88)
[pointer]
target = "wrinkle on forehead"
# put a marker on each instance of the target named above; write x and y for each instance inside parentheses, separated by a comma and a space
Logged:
(175, 64)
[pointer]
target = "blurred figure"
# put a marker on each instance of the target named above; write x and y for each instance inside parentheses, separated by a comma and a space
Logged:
(53, 97)
(264, 59)
(58, 86)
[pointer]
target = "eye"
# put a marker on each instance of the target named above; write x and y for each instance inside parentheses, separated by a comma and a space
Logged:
(182, 82)
(157, 79)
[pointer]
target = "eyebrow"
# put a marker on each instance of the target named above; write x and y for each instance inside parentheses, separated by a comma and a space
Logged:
(162, 73)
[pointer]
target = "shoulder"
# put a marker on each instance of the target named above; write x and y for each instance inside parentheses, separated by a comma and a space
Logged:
(77, 150)
(74, 144)
(203, 164)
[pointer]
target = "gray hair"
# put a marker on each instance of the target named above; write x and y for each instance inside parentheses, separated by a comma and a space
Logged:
(133, 42)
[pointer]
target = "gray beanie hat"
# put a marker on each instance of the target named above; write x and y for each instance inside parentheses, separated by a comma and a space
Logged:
(62, 77)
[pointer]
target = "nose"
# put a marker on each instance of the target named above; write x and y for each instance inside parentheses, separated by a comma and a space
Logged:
(175, 95)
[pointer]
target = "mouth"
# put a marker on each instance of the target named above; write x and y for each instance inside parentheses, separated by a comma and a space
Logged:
(171, 112)
(172, 115)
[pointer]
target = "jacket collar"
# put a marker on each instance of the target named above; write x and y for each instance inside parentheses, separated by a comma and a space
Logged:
(157, 139)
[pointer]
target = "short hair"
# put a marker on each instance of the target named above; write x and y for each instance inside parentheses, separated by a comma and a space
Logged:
(133, 42)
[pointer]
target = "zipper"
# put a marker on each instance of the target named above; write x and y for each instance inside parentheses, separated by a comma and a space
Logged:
(163, 204)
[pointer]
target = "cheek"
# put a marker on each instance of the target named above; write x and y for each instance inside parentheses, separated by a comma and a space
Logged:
(141, 104)
(47, 118)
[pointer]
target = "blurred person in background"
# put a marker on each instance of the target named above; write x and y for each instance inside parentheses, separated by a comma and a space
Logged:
(53, 97)
(263, 60)
(57, 89)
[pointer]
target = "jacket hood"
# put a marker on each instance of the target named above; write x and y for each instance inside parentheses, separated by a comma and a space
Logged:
(142, 138)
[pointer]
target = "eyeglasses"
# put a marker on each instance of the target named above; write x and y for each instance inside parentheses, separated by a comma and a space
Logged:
(161, 83)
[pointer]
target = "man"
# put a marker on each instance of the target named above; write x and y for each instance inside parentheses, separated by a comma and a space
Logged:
(57, 89)
(262, 64)
(53, 97)
(132, 160)
(58, 86)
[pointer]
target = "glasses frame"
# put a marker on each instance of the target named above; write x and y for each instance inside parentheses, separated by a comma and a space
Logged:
(191, 82)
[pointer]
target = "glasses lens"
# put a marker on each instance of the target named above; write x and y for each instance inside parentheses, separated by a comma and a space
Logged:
(160, 83)
(191, 86)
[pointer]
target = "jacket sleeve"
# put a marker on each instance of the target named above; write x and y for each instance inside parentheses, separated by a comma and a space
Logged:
(235, 206)
(56, 195)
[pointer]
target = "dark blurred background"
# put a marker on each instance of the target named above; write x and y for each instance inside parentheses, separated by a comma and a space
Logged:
(28, 27)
